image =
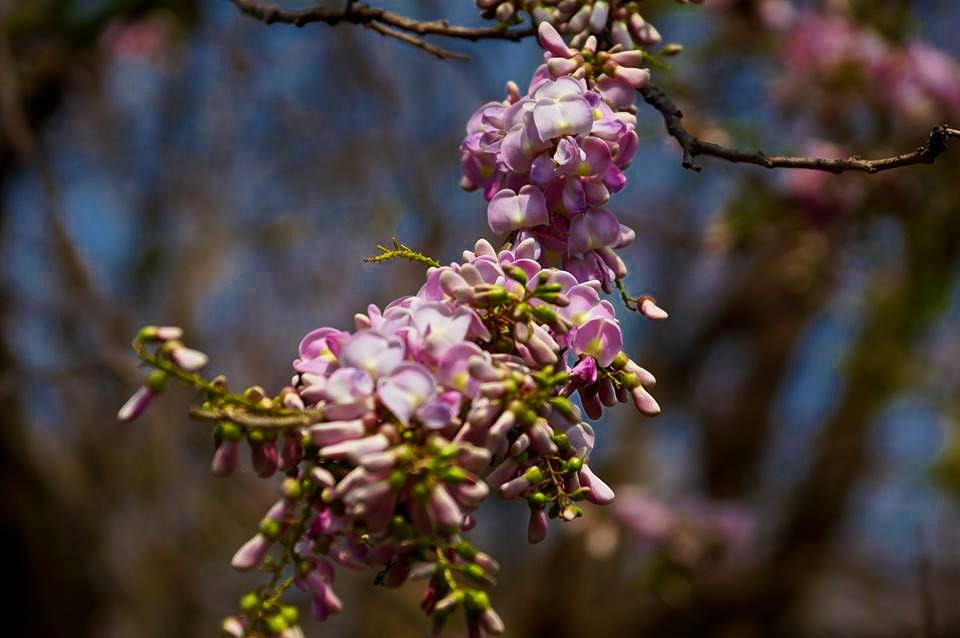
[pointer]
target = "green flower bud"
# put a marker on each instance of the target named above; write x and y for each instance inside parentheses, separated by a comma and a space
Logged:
(564, 406)
(544, 314)
(256, 436)
(620, 360)
(403, 454)
(474, 571)
(448, 451)
(452, 474)
(292, 489)
(525, 417)
(254, 394)
(291, 614)
(420, 490)
(562, 441)
(629, 380)
(533, 475)
(476, 600)
(156, 381)
(493, 297)
(549, 297)
(270, 528)
(672, 49)
(249, 602)
(397, 479)
(538, 500)
(516, 273)
(465, 550)
(573, 465)
(522, 312)
(276, 624)
(549, 288)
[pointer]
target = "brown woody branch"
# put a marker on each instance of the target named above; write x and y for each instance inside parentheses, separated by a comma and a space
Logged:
(384, 22)
(693, 146)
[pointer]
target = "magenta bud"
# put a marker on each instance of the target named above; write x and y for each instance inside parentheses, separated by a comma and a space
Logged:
(444, 508)
(451, 282)
(332, 432)
(264, 458)
(643, 31)
(252, 553)
(551, 41)
(561, 66)
(356, 448)
(599, 15)
(637, 78)
(135, 405)
(322, 476)
(502, 473)
(291, 453)
(225, 458)
(607, 393)
(645, 403)
(600, 493)
(537, 526)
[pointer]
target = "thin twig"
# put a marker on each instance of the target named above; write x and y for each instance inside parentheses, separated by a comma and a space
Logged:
(629, 301)
(401, 251)
(420, 43)
(384, 22)
(693, 146)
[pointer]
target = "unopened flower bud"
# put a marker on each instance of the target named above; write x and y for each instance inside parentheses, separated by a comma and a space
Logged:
(135, 405)
(187, 359)
(537, 526)
(650, 309)
(645, 403)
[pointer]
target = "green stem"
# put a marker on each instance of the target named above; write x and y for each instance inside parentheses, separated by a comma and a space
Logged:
(401, 251)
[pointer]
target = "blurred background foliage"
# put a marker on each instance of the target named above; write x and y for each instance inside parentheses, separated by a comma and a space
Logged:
(178, 162)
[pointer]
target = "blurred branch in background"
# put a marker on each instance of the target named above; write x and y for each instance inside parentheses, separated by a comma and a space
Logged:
(693, 146)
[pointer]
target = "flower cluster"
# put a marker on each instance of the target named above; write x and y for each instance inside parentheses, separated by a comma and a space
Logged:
(392, 435)
(913, 80)
(548, 161)
(616, 20)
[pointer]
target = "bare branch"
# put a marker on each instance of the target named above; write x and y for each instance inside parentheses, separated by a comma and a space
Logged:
(420, 43)
(384, 22)
(693, 146)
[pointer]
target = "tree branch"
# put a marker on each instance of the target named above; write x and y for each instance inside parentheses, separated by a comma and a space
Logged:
(693, 146)
(408, 29)
(384, 22)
